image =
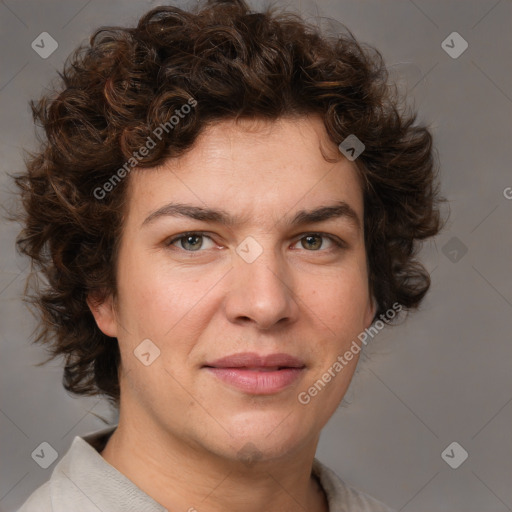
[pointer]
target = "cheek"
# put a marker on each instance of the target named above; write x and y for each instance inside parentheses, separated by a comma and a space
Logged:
(160, 301)
(340, 300)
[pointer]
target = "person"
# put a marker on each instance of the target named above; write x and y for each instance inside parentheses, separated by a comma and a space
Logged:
(223, 205)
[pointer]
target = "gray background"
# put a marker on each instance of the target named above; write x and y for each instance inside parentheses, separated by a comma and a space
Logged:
(442, 376)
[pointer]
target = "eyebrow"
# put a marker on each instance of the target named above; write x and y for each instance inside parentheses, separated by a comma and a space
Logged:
(338, 210)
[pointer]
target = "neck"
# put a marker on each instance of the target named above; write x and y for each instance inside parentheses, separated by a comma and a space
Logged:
(182, 476)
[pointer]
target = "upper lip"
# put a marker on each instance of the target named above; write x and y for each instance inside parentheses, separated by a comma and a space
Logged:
(253, 360)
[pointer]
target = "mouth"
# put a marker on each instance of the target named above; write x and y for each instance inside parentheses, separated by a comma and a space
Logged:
(251, 360)
(255, 368)
(257, 374)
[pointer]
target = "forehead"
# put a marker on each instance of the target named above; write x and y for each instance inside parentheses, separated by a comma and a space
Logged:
(254, 169)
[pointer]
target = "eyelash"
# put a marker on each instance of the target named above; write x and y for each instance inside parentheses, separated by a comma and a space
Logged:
(339, 244)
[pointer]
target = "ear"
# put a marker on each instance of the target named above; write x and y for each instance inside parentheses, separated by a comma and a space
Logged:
(370, 312)
(104, 313)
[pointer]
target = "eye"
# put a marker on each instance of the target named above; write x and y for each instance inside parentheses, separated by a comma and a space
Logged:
(315, 241)
(191, 242)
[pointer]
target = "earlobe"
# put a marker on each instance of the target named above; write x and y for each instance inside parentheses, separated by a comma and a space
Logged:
(104, 314)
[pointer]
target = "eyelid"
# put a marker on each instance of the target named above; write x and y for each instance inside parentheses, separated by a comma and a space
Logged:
(172, 240)
(338, 242)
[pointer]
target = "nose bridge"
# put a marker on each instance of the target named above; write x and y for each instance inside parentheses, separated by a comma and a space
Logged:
(260, 289)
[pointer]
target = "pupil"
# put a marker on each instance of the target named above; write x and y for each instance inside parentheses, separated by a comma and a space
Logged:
(192, 237)
(309, 239)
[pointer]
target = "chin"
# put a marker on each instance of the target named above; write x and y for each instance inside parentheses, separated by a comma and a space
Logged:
(271, 440)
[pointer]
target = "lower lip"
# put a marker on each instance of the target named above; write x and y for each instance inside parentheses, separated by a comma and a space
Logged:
(258, 382)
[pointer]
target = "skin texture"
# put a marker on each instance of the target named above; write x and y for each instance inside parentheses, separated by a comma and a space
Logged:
(184, 437)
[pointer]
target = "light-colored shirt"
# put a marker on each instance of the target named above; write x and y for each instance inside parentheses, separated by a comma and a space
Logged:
(83, 481)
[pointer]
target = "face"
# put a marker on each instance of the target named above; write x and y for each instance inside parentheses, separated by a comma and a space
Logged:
(255, 275)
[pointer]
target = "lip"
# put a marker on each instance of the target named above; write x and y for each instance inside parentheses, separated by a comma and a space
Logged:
(253, 360)
(257, 374)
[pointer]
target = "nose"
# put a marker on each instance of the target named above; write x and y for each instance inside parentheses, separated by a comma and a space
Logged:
(261, 292)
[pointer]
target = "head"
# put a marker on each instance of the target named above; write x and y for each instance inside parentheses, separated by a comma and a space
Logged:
(223, 126)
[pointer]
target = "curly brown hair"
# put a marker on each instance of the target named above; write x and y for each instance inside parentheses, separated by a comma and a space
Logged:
(230, 63)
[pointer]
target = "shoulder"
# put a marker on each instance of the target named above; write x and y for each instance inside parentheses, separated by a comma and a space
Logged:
(79, 466)
(342, 497)
(39, 500)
